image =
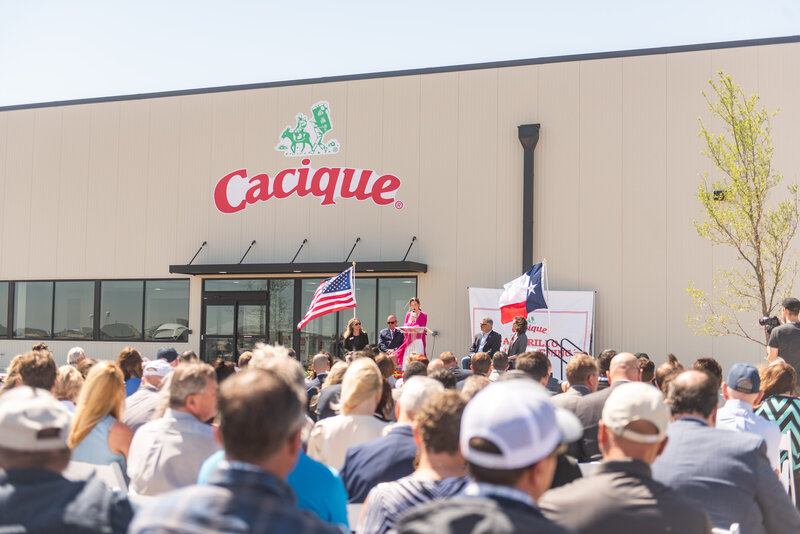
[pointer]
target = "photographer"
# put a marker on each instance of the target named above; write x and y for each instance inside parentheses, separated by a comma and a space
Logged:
(784, 340)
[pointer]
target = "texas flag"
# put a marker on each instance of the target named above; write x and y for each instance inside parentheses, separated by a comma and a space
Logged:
(523, 295)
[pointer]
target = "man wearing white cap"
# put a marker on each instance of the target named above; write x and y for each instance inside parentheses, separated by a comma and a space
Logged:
(34, 496)
(141, 406)
(511, 455)
(621, 496)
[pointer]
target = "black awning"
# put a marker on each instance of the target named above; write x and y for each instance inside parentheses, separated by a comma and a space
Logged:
(300, 268)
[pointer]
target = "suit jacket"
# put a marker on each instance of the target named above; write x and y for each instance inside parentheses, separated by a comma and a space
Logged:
(390, 339)
(569, 399)
(383, 459)
(327, 397)
(622, 497)
(460, 374)
(729, 472)
(589, 409)
(492, 345)
(519, 345)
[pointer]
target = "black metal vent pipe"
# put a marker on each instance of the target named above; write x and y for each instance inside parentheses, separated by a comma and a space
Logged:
(528, 136)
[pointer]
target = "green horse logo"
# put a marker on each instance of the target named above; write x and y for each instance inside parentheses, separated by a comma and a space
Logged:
(307, 138)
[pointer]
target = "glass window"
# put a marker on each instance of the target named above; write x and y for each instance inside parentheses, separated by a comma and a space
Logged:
(365, 309)
(259, 284)
(166, 310)
(3, 309)
(33, 309)
(121, 309)
(219, 320)
(74, 310)
(320, 333)
(281, 312)
(393, 295)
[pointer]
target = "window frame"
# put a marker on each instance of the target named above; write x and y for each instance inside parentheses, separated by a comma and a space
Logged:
(97, 305)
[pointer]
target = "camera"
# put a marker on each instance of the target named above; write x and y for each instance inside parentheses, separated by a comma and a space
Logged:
(769, 323)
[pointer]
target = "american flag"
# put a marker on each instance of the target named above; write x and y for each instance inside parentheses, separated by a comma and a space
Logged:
(333, 294)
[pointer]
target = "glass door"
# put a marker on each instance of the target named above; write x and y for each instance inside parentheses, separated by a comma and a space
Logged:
(233, 323)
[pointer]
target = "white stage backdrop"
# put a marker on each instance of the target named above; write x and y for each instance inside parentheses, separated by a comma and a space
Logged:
(571, 316)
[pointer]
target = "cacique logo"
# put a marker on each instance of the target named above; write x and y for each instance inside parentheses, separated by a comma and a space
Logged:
(235, 191)
(309, 139)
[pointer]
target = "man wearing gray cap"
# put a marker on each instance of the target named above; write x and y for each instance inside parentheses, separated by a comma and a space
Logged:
(511, 455)
(141, 406)
(741, 393)
(621, 496)
(784, 340)
(34, 496)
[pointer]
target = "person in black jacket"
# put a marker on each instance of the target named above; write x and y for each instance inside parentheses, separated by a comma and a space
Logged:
(519, 341)
(354, 338)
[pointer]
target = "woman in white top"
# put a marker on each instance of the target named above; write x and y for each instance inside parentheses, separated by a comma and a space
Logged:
(361, 392)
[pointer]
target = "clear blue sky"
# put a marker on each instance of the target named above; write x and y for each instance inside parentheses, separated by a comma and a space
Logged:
(66, 49)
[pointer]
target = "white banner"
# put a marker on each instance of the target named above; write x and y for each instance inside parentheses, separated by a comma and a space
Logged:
(571, 316)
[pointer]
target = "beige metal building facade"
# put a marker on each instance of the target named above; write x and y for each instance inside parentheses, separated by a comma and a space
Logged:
(116, 191)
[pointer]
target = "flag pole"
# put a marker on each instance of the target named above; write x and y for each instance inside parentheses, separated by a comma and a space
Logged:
(353, 284)
(547, 284)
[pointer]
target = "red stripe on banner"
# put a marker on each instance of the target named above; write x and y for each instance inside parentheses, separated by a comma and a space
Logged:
(507, 313)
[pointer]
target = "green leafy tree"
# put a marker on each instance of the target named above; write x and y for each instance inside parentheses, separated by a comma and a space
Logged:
(738, 215)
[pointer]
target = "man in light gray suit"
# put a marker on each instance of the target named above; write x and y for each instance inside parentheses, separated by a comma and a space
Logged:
(582, 376)
(728, 471)
(621, 495)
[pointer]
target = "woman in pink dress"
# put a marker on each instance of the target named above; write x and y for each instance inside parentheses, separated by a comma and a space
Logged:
(414, 317)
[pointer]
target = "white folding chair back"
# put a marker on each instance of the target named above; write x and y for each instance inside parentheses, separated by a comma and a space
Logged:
(587, 468)
(110, 475)
(353, 515)
(786, 471)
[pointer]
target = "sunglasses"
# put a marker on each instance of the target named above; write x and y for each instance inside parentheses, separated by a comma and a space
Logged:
(356, 324)
(391, 322)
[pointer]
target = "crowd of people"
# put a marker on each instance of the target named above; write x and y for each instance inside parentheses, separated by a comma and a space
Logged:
(622, 445)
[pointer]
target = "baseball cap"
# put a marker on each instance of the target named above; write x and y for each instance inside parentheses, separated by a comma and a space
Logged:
(167, 353)
(31, 419)
(743, 378)
(791, 304)
(157, 368)
(517, 417)
(636, 401)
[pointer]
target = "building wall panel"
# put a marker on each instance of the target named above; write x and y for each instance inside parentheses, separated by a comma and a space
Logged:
(616, 167)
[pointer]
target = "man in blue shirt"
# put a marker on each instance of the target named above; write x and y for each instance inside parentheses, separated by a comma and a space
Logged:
(261, 418)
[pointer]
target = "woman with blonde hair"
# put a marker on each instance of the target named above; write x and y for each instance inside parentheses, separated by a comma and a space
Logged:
(98, 436)
(354, 338)
(69, 382)
(362, 388)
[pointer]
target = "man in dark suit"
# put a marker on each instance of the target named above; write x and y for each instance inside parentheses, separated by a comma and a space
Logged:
(487, 341)
(448, 359)
(390, 338)
(621, 495)
(389, 457)
(624, 367)
(727, 470)
(321, 365)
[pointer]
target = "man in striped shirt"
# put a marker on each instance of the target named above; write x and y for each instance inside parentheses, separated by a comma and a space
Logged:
(441, 467)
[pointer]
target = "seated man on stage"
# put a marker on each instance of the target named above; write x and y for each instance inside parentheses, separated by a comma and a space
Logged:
(487, 341)
(390, 337)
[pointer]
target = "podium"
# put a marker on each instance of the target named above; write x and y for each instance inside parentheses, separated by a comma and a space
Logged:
(414, 336)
